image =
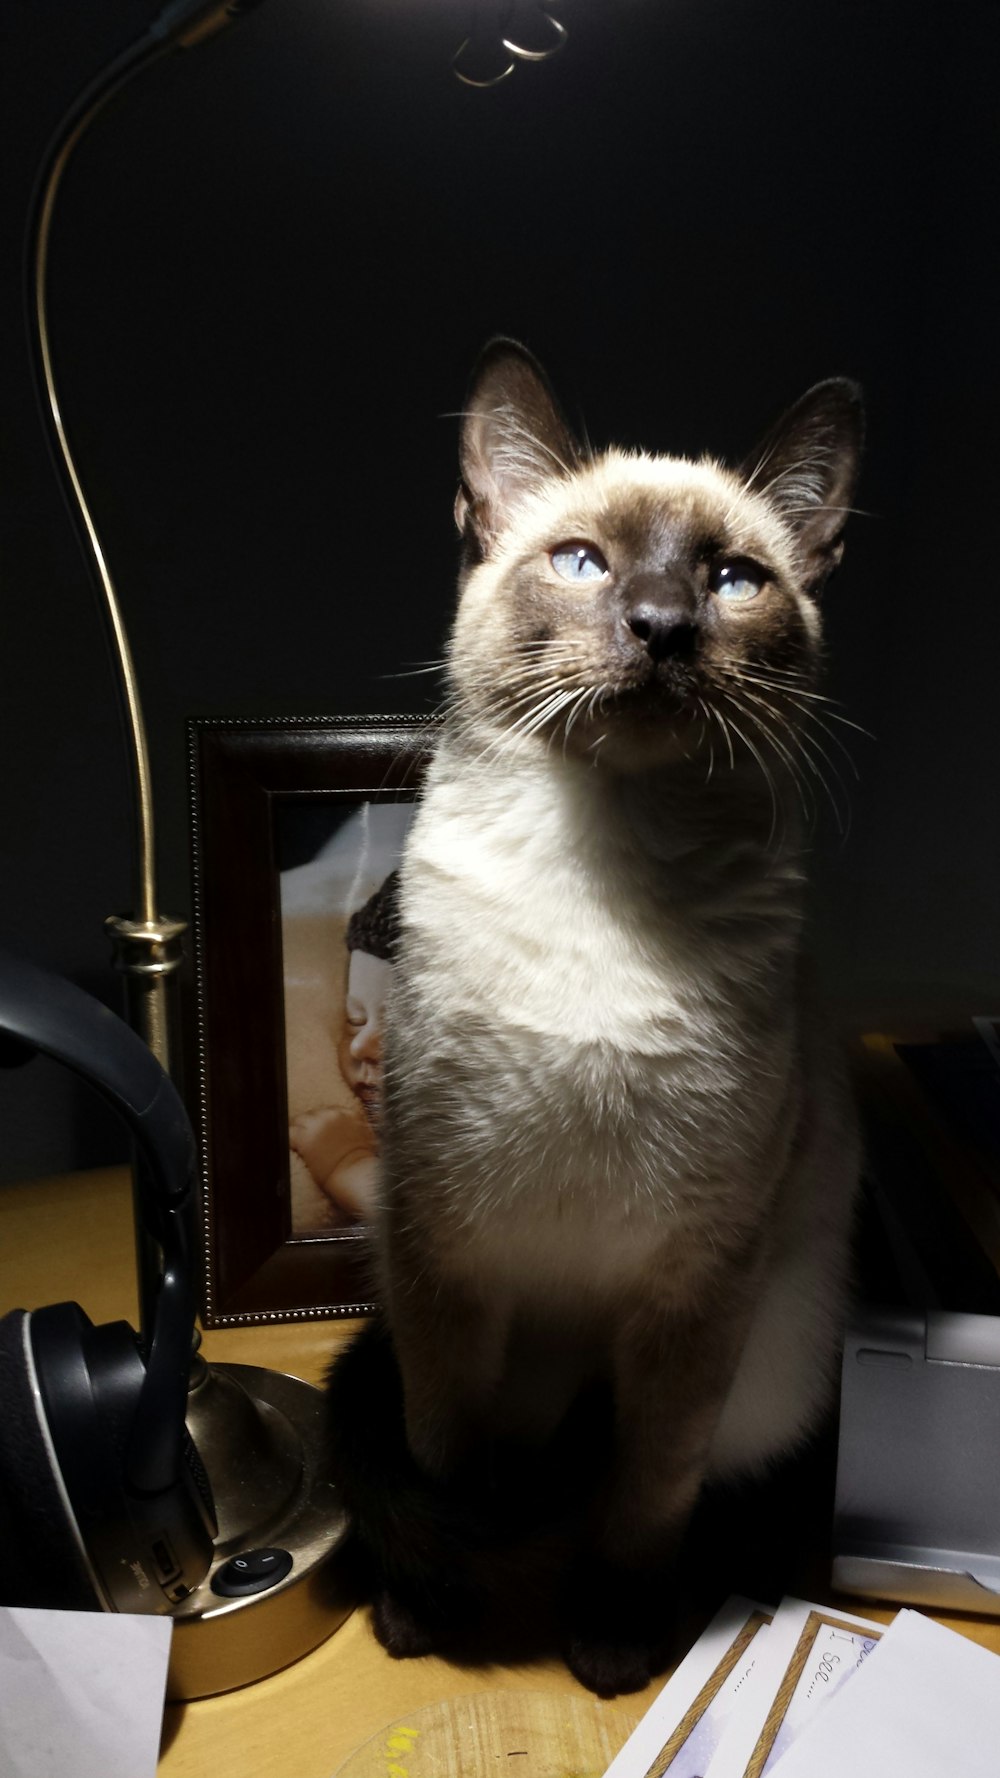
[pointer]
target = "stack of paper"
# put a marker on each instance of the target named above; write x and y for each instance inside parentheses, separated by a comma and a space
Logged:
(820, 1694)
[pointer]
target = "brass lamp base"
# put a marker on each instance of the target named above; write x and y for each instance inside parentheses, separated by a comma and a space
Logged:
(260, 1436)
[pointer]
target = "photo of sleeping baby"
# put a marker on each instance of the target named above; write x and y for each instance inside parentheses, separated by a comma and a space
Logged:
(339, 921)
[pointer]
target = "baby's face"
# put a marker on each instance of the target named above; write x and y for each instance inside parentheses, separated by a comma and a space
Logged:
(360, 1049)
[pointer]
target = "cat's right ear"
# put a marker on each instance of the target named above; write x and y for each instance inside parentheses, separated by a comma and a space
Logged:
(807, 465)
(514, 438)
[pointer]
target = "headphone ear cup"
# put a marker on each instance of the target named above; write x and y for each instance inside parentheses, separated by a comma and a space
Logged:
(44, 1560)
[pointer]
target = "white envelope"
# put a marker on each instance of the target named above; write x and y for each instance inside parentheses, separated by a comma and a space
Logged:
(926, 1705)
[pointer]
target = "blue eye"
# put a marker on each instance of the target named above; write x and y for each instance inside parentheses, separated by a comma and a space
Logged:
(737, 580)
(578, 562)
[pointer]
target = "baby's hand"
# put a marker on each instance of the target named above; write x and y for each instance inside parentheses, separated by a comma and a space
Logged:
(318, 1136)
(337, 1149)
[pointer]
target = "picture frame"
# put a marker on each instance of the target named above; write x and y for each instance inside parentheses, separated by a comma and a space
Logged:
(296, 827)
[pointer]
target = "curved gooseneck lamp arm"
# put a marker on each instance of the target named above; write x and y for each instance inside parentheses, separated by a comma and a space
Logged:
(147, 944)
(179, 25)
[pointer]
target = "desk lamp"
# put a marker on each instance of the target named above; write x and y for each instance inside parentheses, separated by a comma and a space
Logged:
(258, 1432)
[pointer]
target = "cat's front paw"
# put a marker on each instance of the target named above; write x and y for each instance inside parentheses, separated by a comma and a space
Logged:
(400, 1629)
(409, 1624)
(610, 1667)
(619, 1632)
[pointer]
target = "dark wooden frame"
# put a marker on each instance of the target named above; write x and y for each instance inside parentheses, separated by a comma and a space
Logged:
(255, 1269)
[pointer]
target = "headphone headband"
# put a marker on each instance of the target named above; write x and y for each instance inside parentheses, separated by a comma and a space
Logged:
(43, 1012)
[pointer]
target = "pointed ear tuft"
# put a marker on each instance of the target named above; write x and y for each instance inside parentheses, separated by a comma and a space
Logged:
(514, 438)
(807, 466)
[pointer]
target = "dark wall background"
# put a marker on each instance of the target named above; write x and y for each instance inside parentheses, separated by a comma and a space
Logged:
(272, 266)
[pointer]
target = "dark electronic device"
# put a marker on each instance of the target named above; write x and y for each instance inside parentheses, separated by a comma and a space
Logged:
(104, 1502)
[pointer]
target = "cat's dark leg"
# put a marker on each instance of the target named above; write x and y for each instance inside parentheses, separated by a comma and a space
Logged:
(446, 1354)
(414, 1537)
(672, 1374)
(450, 1348)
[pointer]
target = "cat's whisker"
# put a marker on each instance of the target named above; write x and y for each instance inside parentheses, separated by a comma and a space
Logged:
(706, 731)
(603, 692)
(417, 672)
(828, 715)
(769, 781)
(800, 742)
(764, 729)
(812, 716)
(537, 718)
(727, 737)
(596, 706)
(773, 677)
(565, 642)
(789, 687)
(581, 698)
(807, 714)
(808, 745)
(778, 747)
(771, 673)
(530, 694)
(539, 711)
(533, 656)
(791, 684)
(841, 816)
(529, 677)
(550, 659)
(529, 671)
(802, 700)
(834, 715)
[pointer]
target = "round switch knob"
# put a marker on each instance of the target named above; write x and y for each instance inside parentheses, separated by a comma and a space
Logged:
(251, 1572)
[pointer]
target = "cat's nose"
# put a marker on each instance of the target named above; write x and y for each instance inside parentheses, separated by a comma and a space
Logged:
(666, 630)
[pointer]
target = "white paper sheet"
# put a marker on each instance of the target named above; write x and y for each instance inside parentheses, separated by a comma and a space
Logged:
(81, 1693)
(925, 1705)
(810, 1652)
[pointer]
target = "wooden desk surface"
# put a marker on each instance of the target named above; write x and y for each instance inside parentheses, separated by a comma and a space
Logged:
(71, 1238)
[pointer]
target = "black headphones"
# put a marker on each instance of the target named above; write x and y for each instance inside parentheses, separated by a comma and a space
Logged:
(104, 1503)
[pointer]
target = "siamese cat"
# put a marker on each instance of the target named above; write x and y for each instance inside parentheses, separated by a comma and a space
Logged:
(616, 1144)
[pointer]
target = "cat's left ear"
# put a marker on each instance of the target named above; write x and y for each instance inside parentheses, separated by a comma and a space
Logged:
(807, 467)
